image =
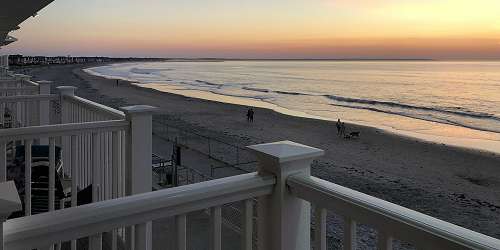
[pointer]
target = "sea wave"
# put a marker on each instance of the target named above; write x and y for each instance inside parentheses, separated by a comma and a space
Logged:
(378, 106)
(277, 91)
(430, 118)
(456, 111)
(209, 83)
(145, 71)
(257, 89)
(291, 93)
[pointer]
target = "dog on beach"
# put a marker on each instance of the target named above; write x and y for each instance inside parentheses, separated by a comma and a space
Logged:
(352, 135)
(355, 134)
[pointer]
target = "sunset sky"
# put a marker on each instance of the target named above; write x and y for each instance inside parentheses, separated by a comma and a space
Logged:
(441, 29)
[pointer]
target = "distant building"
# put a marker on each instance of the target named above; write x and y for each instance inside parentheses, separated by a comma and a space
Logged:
(20, 60)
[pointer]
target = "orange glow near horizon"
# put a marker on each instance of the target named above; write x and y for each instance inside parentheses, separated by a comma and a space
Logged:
(265, 29)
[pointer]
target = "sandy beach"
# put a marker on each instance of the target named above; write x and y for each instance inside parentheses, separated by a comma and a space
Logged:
(459, 185)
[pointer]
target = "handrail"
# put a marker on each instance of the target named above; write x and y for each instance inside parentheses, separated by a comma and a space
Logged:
(8, 79)
(95, 106)
(16, 89)
(27, 98)
(32, 83)
(62, 129)
(413, 227)
(72, 223)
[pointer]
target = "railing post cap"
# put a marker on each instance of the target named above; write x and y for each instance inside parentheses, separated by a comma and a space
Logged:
(43, 82)
(9, 199)
(67, 90)
(286, 151)
(22, 76)
(138, 109)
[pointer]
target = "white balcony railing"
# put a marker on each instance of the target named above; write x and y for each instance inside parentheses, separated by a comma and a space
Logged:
(89, 146)
(4, 66)
(73, 223)
(24, 102)
(284, 190)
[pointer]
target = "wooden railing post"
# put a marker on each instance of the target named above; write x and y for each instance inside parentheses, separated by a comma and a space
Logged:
(284, 220)
(66, 118)
(65, 91)
(139, 163)
(9, 203)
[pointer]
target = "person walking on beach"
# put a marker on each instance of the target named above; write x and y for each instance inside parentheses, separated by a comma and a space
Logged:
(339, 126)
(250, 113)
(342, 129)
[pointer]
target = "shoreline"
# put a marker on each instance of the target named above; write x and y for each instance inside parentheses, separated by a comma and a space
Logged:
(482, 139)
(455, 184)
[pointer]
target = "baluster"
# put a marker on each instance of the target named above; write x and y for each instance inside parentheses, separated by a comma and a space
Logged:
(74, 172)
(115, 161)
(124, 163)
(13, 115)
(247, 226)
(34, 113)
(109, 167)
(44, 107)
(96, 240)
(27, 177)
(52, 173)
(349, 234)
(114, 239)
(24, 112)
(88, 158)
(320, 230)
(79, 159)
(74, 176)
(2, 110)
(73, 112)
(61, 206)
(3, 161)
(180, 221)
(66, 118)
(215, 228)
(101, 166)
(384, 241)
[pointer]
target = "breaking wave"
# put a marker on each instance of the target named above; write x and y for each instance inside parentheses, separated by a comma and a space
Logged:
(467, 113)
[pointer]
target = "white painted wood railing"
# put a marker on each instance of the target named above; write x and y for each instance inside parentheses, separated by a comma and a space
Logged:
(43, 230)
(391, 221)
(284, 189)
(75, 109)
(288, 209)
(4, 66)
(24, 103)
(102, 148)
(99, 175)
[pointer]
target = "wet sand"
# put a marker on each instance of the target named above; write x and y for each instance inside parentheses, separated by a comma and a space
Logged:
(459, 185)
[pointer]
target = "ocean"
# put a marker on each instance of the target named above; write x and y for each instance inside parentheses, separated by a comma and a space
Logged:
(426, 99)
